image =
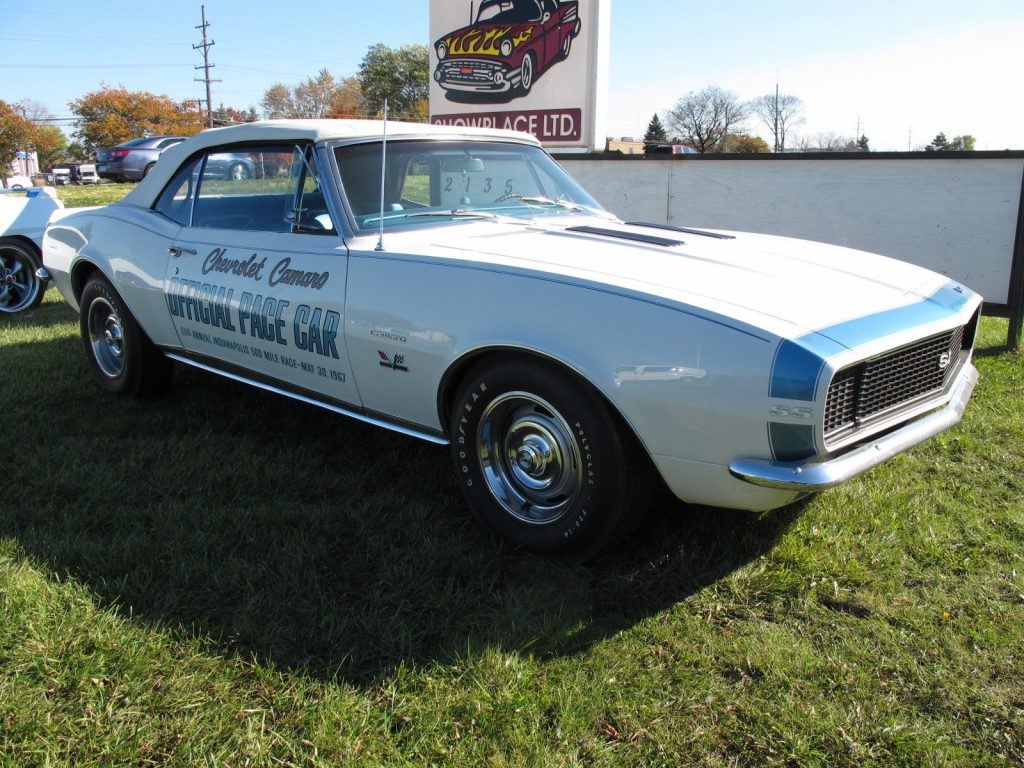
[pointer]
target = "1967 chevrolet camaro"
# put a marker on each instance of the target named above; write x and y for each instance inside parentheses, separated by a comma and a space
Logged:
(489, 303)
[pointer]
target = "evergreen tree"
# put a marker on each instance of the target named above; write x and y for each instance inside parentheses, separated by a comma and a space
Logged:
(655, 132)
(863, 145)
(939, 144)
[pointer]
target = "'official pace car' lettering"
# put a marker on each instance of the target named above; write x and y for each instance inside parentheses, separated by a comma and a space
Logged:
(315, 329)
(313, 336)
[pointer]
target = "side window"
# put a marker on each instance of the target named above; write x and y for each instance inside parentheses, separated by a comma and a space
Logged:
(175, 202)
(311, 214)
(416, 189)
(251, 188)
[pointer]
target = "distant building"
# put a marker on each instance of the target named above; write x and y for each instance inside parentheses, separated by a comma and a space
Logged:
(25, 164)
(671, 149)
(627, 145)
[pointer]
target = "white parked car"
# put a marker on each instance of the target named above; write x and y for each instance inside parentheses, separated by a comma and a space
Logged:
(87, 174)
(566, 357)
(17, 182)
(24, 215)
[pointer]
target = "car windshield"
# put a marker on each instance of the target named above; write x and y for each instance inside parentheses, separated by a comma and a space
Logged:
(454, 180)
(508, 11)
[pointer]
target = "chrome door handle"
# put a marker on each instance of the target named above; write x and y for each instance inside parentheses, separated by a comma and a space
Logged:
(175, 251)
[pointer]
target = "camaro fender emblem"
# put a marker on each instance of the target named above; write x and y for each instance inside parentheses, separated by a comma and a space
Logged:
(396, 363)
(944, 360)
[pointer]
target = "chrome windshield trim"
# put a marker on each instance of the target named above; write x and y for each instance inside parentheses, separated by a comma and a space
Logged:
(816, 475)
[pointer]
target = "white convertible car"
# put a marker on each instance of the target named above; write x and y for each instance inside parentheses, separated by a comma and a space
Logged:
(478, 297)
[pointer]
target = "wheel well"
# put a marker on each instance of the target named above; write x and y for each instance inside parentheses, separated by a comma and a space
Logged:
(454, 376)
(22, 240)
(80, 275)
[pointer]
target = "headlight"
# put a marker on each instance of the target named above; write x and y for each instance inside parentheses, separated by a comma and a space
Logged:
(442, 51)
(506, 47)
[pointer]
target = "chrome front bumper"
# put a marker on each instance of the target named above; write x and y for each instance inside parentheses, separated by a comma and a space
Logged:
(814, 475)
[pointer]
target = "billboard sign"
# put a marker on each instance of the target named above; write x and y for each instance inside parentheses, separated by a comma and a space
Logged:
(538, 66)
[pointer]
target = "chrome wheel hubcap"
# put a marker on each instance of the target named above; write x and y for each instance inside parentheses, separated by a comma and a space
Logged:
(106, 337)
(19, 287)
(530, 459)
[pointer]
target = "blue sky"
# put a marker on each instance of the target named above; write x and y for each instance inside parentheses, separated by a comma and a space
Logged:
(897, 66)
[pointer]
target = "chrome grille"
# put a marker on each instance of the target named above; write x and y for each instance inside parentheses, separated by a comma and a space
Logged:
(868, 390)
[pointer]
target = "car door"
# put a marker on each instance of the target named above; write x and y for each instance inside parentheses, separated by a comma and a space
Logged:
(256, 280)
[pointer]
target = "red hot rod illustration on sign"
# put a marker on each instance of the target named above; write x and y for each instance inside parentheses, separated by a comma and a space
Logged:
(509, 45)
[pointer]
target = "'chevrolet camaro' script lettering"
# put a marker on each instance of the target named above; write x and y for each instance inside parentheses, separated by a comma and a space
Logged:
(283, 273)
(218, 262)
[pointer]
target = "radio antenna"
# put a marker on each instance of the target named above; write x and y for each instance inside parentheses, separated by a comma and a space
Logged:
(383, 175)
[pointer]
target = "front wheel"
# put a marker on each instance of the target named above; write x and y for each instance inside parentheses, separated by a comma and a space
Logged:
(20, 289)
(542, 460)
(122, 358)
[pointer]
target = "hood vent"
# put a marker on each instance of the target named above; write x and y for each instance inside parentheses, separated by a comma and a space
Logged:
(634, 236)
(670, 228)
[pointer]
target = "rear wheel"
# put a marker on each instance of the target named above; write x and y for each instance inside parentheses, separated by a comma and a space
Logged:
(147, 169)
(20, 289)
(238, 172)
(526, 73)
(542, 460)
(122, 358)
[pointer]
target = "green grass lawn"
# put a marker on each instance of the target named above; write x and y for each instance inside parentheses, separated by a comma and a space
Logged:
(227, 578)
(93, 194)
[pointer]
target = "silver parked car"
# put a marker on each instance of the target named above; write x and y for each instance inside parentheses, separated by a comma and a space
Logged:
(133, 159)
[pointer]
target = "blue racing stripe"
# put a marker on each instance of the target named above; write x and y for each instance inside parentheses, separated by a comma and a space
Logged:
(799, 363)
(942, 304)
(791, 442)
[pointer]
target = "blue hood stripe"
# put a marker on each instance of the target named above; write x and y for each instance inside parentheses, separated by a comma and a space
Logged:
(799, 363)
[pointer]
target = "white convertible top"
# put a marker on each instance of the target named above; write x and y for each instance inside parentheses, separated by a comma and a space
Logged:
(315, 131)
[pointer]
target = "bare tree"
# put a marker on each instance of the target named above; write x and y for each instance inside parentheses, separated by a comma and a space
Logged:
(703, 119)
(313, 96)
(828, 141)
(278, 102)
(779, 112)
(36, 112)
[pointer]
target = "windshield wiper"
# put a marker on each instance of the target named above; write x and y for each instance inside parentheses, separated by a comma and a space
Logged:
(548, 201)
(454, 213)
(566, 204)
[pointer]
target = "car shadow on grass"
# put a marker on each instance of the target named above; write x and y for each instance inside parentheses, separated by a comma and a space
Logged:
(324, 546)
(47, 315)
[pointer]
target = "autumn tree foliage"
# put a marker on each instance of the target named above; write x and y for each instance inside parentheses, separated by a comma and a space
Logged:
(16, 133)
(320, 96)
(110, 116)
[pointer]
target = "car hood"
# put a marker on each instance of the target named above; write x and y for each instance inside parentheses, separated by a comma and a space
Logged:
(786, 286)
(484, 39)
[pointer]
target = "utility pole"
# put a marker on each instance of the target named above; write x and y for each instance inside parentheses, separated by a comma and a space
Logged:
(857, 136)
(206, 45)
(910, 139)
(776, 110)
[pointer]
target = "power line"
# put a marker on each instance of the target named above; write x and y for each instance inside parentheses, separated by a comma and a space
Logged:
(206, 66)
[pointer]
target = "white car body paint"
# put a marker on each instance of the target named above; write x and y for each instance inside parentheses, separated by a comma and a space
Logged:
(25, 213)
(694, 344)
